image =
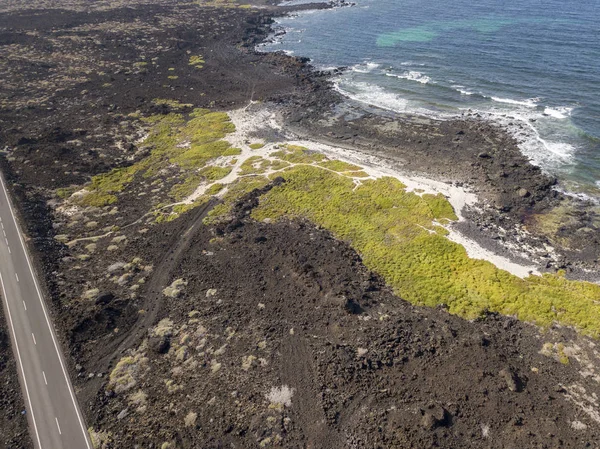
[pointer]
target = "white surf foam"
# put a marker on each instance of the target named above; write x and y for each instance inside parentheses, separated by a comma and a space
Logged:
(559, 113)
(373, 95)
(521, 119)
(530, 103)
(462, 89)
(412, 76)
(410, 63)
(365, 67)
(544, 153)
(581, 195)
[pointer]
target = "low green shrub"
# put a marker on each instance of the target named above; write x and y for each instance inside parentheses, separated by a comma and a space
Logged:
(393, 231)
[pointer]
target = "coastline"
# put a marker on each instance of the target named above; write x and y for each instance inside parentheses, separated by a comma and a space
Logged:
(260, 121)
(514, 194)
(415, 78)
(520, 204)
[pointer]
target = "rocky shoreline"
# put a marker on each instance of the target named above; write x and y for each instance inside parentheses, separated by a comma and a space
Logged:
(479, 155)
(181, 334)
(515, 196)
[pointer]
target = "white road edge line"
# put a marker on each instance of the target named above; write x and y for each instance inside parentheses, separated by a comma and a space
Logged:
(45, 380)
(62, 365)
(57, 425)
(12, 327)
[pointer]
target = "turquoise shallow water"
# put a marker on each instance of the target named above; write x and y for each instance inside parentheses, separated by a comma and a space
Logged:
(533, 66)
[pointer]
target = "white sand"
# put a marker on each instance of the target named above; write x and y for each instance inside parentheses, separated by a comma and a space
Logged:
(251, 119)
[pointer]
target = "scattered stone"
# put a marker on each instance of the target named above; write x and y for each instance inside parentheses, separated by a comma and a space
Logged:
(116, 267)
(91, 294)
(190, 419)
(160, 345)
(513, 382)
(104, 298)
(434, 416)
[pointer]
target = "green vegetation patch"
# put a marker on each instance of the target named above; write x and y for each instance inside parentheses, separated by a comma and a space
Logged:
(181, 191)
(102, 189)
(199, 154)
(339, 166)
(169, 214)
(214, 189)
(173, 104)
(203, 133)
(356, 174)
(234, 192)
(214, 173)
(66, 192)
(232, 152)
(254, 165)
(440, 207)
(393, 231)
(298, 155)
(256, 146)
(279, 165)
(197, 61)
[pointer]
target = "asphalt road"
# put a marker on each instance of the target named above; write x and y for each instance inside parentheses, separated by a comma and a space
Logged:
(54, 417)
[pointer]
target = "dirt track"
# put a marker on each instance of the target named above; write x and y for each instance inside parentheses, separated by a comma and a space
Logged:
(366, 368)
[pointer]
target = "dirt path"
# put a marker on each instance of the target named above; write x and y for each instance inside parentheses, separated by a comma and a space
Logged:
(177, 245)
(265, 318)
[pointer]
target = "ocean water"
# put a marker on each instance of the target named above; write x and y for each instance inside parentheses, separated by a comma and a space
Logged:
(532, 65)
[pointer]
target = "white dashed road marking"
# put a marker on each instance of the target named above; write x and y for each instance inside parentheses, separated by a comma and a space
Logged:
(84, 433)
